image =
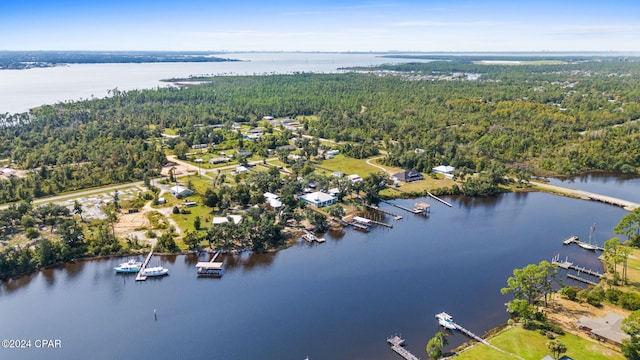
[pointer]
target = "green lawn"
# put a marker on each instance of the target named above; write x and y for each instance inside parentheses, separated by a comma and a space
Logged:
(348, 166)
(532, 345)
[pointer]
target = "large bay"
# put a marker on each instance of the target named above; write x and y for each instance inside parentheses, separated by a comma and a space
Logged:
(337, 300)
(21, 90)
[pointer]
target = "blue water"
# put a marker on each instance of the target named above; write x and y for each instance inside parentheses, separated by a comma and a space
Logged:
(337, 300)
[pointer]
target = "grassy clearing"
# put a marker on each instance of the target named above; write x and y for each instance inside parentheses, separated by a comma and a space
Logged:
(348, 166)
(532, 345)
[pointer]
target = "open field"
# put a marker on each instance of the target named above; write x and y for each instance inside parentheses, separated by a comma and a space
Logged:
(532, 345)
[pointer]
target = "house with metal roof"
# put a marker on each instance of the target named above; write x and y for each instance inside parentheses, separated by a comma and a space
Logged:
(608, 328)
(319, 199)
(408, 176)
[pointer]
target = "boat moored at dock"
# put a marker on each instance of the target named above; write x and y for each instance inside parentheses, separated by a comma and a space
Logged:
(446, 321)
(155, 271)
(131, 266)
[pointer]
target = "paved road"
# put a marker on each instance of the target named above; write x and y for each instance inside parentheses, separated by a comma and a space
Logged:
(625, 204)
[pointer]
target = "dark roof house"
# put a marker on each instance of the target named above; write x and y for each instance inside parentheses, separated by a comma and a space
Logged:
(408, 176)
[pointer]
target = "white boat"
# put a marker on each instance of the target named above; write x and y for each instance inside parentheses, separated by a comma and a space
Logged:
(589, 245)
(446, 321)
(131, 266)
(155, 271)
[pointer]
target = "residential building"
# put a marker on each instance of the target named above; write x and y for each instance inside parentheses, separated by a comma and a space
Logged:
(608, 328)
(180, 191)
(408, 176)
(319, 199)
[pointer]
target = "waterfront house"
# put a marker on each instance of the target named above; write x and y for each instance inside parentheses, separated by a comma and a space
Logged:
(319, 199)
(608, 328)
(180, 191)
(445, 170)
(408, 176)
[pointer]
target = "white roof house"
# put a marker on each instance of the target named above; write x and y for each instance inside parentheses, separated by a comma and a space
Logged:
(180, 191)
(273, 200)
(354, 178)
(240, 169)
(319, 199)
(445, 170)
(217, 220)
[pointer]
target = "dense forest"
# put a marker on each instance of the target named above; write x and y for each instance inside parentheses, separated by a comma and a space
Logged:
(560, 117)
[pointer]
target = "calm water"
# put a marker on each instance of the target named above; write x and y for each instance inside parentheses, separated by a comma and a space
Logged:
(622, 186)
(21, 90)
(337, 300)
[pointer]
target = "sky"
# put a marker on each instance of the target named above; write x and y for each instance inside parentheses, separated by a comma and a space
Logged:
(306, 25)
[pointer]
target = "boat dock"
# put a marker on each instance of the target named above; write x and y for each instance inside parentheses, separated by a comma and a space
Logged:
(576, 240)
(210, 267)
(396, 343)
(355, 225)
(566, 264)
(140, 276)
(366, 221)
(413, 211)
(437, 198)
(377, 208)
(310, 237)
(476, 337)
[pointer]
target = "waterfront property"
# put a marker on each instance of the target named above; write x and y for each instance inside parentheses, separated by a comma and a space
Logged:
(408, 176)
(319, 199)
(608, 328)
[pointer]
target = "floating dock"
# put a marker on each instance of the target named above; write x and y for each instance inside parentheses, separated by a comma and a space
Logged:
(397, 344)
(140, 276)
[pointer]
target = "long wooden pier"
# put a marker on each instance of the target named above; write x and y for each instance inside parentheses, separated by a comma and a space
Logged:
(437, 198)
(578, 278)
(377, 208)
(396, 343)
(413, 211)
(569, 265)
(140, 276)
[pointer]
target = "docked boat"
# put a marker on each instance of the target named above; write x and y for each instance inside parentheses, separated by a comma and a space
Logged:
(446, 321)
(155, 271)
(590, 245)
(131, 266)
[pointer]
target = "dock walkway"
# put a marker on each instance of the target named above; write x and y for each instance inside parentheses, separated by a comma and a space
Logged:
(140, 276)
(377, 208)
(566, 264)
(414, 211)
(396, 343)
